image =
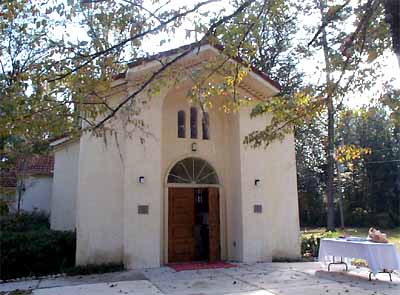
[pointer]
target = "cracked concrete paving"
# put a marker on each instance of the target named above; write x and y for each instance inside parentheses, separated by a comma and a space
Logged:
(132, 275)
(246, 279)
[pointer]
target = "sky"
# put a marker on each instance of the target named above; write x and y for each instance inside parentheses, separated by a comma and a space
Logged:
(388, 61)
(152, 45)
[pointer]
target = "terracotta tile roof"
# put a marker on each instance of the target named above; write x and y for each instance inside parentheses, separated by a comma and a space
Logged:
(8, 178)
(167, 53)
(37, 165)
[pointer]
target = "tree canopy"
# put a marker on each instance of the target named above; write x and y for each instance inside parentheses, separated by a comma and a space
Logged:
(58, 58)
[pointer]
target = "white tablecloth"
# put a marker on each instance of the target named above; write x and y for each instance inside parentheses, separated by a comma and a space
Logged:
(378, 256)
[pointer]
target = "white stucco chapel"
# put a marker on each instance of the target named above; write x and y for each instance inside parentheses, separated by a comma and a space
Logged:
(182, 187)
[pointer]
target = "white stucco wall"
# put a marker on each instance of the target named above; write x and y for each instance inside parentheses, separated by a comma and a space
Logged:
(217, 151)
(109, 228)
(99, 206)
(275, 232)
(246, 236)
(65, 184)
(37, 194)
(142, 232)
(109, 193)
(235, 228)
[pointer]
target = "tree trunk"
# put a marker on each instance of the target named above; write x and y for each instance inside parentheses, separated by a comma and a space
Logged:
(19, 199)
(330, 166)
(340, 198)
(392, 17)
(21, 175)
(331, 126)
(396, 135)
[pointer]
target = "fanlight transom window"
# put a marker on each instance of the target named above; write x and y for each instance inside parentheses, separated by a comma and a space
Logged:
(194, 171)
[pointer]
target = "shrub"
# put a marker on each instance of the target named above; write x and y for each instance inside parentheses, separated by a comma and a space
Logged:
(3, 208)
(383, 220)
(358, 217)
(35, 221)
(36, 253)
(94, 269)
(310, 244)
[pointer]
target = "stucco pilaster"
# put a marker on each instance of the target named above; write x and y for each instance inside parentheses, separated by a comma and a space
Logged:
(142, 232)
(64, 189)
(99, 200)
(273, 232)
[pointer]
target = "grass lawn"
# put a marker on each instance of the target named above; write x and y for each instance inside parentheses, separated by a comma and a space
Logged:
(393, 234)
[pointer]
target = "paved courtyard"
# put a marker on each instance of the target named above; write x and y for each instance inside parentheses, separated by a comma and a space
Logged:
(246, 279)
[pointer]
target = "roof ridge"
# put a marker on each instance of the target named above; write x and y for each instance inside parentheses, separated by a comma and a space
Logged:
(143, 60)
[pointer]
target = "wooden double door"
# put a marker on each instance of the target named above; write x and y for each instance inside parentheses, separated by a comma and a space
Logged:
(182, 221)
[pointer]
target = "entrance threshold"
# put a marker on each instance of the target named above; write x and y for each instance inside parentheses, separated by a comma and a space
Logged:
(196, 265)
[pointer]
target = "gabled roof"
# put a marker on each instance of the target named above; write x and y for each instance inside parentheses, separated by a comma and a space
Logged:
(61, 140)
(8, 178)
(194, 47)
(37, 165)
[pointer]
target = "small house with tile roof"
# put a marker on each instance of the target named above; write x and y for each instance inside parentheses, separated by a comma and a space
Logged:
(33, 174)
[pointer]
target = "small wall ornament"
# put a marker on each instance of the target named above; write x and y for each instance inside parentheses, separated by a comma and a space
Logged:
(194, 147)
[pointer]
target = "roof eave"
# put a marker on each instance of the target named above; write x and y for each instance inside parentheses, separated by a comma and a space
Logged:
(150, 62)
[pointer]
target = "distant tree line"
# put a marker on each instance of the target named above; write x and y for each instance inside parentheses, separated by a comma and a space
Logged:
(370, 183)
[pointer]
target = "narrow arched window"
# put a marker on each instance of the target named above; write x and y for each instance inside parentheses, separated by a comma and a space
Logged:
(193, 122)
(205, 123)
(181, 124)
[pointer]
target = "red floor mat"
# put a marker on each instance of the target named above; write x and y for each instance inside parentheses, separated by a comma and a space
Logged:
(199, 265)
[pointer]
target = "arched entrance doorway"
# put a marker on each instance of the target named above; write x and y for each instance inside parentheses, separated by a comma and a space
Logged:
(193, 212)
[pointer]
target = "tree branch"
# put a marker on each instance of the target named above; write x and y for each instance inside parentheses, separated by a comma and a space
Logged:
(327, 22)
(136, 36)
(209, 32)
